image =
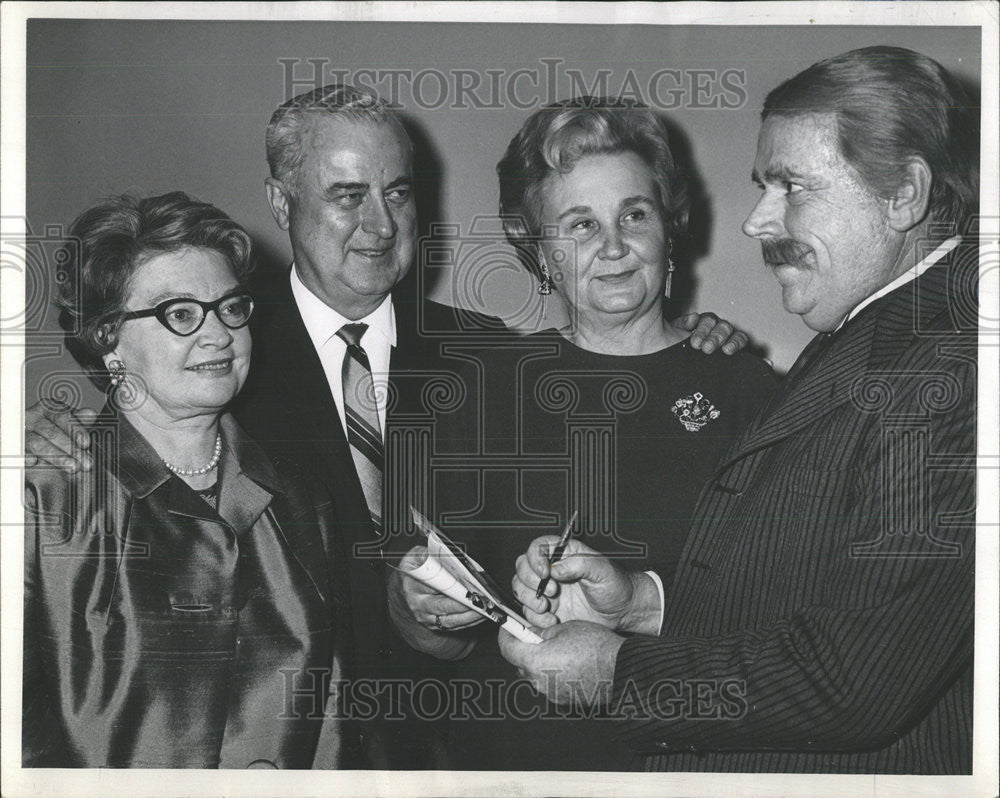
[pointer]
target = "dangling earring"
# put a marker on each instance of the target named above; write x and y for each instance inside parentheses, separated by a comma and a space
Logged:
(545, 282)
(544, 287)
(123, 392)
(670, 270)
(670, 278)
(116, 370)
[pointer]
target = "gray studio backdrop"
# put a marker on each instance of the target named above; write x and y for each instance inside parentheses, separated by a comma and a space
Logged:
(153, 106)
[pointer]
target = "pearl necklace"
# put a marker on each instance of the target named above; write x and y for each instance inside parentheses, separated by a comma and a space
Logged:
(197, 472)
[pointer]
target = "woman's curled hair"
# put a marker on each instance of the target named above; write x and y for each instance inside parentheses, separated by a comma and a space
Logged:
(554, 138)
(108, 242)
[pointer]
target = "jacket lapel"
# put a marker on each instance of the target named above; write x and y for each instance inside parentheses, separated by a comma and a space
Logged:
(870, 341)
(250, 485)
(287, 405)
(296, 375)
(247, 479)
(825, 386)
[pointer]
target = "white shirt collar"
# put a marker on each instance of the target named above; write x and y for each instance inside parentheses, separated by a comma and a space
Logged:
(322, 322)
(910, 274)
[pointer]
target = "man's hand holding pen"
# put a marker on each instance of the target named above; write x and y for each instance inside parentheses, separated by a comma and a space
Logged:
(584, 585)
(586, 602)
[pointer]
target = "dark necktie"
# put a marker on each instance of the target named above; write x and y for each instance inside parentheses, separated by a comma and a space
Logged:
(807, 357)
(360, 410)
(802, 365)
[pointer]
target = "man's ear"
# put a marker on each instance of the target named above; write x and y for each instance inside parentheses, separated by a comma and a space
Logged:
(278, 198)
(908, 207)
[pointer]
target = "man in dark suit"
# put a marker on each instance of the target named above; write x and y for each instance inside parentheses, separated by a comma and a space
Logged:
(821, 617)
(340, 184)
(316, 398)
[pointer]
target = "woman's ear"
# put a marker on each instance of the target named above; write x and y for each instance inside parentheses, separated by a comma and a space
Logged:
(908, 207)
(105, 336)
(109, 358)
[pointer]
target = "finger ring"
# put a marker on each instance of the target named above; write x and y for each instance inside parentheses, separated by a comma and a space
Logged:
(437, 622)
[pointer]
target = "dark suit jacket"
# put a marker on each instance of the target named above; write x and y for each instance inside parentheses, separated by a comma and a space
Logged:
(157, 629)
(821, 617)
(286, 405)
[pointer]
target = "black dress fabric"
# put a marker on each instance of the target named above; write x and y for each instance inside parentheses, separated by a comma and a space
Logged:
(629, 442)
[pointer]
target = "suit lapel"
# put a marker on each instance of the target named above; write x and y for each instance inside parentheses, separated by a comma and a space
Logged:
(868, 342)
(288, 408)
(825, 386)
(298, 375)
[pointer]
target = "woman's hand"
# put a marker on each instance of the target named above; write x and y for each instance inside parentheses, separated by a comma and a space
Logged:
(426, 619)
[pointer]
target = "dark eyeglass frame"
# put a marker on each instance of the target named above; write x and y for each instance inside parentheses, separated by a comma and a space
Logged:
(160, 311)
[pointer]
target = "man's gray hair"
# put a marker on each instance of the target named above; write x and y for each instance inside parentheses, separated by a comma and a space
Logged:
(290, 121)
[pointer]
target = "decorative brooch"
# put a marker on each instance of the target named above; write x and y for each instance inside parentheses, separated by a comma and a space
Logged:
(694, 412)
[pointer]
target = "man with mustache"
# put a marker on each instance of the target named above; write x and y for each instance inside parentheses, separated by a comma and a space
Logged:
(340, 327)
(821, 616)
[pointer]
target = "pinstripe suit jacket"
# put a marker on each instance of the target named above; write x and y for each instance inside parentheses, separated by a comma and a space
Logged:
(821, 618)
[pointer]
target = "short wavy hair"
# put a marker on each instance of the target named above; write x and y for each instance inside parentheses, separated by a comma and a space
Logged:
(109, 241)
(892, 104)
(554, 138)
(290, 121)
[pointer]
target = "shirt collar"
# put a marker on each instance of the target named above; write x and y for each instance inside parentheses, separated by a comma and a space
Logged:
(910, 274)
(322, 321)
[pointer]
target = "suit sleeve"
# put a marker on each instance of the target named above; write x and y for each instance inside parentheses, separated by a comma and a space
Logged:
(859, 667)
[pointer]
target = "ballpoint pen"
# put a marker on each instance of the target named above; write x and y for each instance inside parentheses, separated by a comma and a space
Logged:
(557, 553)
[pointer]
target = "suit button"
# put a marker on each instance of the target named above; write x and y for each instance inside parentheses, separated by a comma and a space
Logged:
(374, 564)
(663, 745)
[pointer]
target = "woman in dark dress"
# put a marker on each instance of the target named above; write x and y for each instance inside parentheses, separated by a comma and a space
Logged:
(614, 416)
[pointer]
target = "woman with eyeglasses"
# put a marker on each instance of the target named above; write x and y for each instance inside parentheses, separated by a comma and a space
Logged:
(181, 600)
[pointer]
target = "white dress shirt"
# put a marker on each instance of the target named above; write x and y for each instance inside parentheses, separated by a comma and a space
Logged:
(322, 323)
(910, 274)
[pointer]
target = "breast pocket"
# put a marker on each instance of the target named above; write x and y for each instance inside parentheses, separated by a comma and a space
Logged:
(818, 502)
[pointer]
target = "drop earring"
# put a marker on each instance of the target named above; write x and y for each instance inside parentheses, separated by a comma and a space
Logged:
(545, 282)
(670, 270)
(123, 392)
(116, 372)
(544, 286)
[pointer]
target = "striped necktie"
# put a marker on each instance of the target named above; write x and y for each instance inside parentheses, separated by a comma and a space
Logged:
(360, 411)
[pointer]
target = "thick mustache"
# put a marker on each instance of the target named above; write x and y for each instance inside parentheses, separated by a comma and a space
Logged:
(783, 250)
